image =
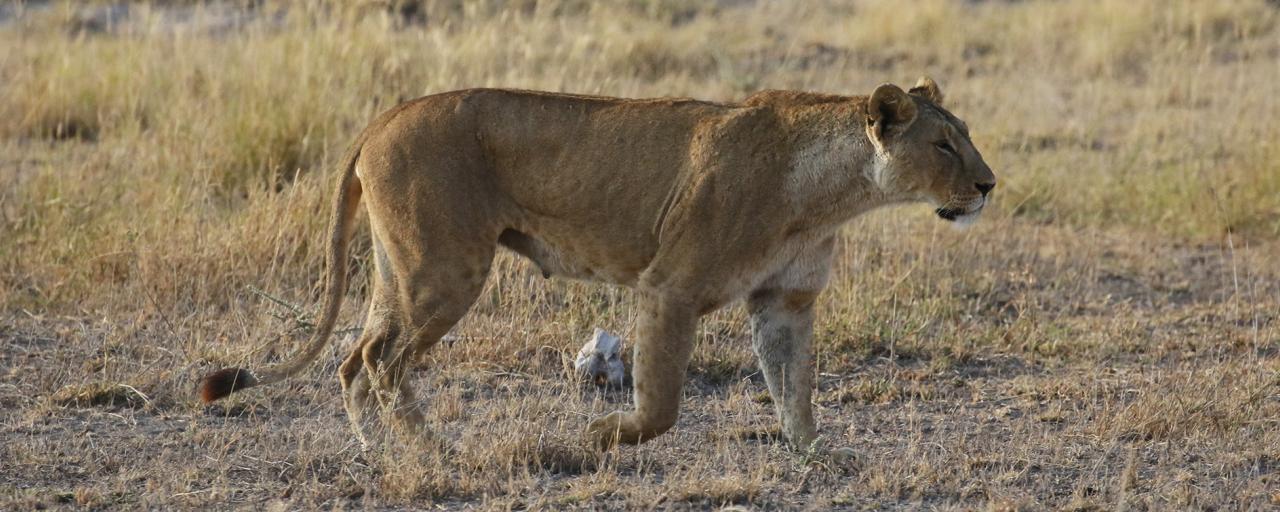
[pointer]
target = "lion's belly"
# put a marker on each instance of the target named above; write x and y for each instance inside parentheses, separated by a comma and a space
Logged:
(580, 256)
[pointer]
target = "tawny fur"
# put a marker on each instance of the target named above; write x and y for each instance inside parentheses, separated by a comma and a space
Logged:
(694, 204)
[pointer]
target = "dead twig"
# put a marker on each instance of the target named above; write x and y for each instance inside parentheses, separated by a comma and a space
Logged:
(301, 320)
(300, 316)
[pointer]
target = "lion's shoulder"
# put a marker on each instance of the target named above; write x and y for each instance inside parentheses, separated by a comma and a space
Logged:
(792, 98)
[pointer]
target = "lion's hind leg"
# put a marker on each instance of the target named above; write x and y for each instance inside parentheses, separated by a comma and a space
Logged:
(356, 386)
(432, 292)
(381, 328)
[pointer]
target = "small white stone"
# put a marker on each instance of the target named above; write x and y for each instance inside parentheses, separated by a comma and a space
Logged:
(600, 360)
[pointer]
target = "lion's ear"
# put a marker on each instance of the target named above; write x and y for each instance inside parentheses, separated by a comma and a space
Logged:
(889, 111)
(928, 89)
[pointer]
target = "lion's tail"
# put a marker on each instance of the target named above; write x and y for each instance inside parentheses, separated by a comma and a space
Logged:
(229, 380)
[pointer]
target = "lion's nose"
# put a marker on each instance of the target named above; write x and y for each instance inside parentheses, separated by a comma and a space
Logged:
(985, 187)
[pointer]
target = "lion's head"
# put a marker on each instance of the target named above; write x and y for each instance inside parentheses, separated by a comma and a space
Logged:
(924, 153)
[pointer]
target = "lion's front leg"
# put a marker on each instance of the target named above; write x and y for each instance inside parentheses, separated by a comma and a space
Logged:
(662, 350)
(782, 336)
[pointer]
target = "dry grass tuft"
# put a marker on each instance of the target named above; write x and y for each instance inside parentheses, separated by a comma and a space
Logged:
(100, 394)
(1217, 402)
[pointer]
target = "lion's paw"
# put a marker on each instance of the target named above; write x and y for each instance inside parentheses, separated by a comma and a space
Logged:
(602, 432)
(843, 457)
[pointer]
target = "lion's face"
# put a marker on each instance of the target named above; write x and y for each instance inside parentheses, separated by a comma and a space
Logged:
(925, 152)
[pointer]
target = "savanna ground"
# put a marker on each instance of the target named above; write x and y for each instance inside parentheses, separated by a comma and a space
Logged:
(1105, 338)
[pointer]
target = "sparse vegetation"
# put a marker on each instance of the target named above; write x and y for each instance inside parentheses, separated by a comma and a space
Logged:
(1105, 338)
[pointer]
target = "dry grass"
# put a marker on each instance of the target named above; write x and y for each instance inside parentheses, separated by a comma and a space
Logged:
(1106, 338)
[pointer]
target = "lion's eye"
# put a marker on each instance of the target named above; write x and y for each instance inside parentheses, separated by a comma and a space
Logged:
(945, 146)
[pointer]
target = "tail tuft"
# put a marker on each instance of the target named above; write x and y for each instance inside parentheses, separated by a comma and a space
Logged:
(224, 382)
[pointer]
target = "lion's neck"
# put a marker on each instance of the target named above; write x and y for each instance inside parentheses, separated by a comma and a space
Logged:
(832, 175)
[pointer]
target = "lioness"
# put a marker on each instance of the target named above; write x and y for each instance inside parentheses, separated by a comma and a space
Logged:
(693, 204)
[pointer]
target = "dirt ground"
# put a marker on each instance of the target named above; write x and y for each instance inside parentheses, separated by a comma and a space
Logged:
(1158, 390)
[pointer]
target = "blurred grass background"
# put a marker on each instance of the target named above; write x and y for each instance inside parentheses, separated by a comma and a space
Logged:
(1149, 114)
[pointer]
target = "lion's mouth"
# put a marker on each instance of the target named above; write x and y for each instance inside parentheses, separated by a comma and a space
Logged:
(949, 213)
(953, 214)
